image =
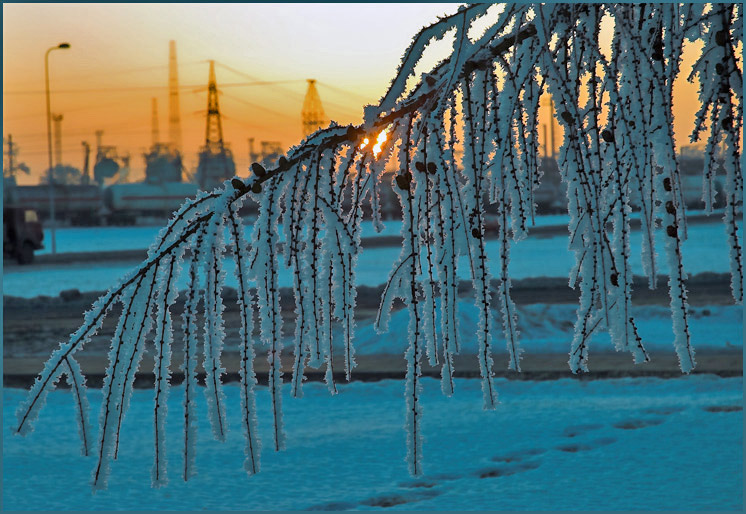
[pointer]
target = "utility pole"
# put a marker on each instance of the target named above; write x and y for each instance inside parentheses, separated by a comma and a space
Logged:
(61, 46)
(57, 119)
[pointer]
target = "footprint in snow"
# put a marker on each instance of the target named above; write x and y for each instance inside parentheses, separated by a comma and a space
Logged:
(584, 447)
(418, 484)
(504, 471)
(392, 500)
(518, 455)
(723, 408)
(334, 506)
(576, 430)
(663, 411)
(635, 424)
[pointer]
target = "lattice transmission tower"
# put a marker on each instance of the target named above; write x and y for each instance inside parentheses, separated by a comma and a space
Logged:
(215, 159)
(313, 112)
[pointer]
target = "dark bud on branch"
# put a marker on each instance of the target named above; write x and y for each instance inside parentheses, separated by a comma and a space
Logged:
(671, 231)
(469, 67)
(282, 162)
(670, 208)
(351, 133)
(476, 233)
(258, 170)
(614, 279)
(430, 81)
(722, 37)
(608, 136)
(667, 184)
(238, 185)
(256, 188)
(657, 50)
(431, 168)
(567, 117)
(719, 69)
(420, 166)
(727, 123)
(404, 180)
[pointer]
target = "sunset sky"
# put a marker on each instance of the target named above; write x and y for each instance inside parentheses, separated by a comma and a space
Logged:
(118, 62)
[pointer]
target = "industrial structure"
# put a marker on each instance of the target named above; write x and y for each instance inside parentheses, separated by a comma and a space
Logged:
(107, 161)
(312, 114)
(174, 118)
(215, 159)
(268, 154)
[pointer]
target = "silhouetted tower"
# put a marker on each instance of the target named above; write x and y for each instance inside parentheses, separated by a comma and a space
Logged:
(57, 119)
(10, 171)
(155, 134)
(313, 112)
(86, 179)
(174, 118)
(215, 159)
(214, 130)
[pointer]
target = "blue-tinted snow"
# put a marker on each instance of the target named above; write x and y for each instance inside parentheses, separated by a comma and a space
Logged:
(705, 250)
(643, 443)
(546, 328)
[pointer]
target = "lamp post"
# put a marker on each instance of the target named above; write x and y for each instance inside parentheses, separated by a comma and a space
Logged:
(61, 46)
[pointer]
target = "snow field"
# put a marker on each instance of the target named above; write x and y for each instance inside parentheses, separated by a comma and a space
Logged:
(554, 445)
(546, 328)
(536, 256)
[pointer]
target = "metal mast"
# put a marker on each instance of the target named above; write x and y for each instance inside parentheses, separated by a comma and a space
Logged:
(86, 179)
(155, 134)
(11, 153)
(57, 119)
(214, 129)
(174, 118)
(215, 158)
(313, 112)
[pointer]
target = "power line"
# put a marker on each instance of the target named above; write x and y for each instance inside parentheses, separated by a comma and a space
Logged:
(345, 92)
(78, 78)
(256, 106)
(144, 88)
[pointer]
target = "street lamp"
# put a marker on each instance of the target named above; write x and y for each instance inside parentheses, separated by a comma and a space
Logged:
(61, 46)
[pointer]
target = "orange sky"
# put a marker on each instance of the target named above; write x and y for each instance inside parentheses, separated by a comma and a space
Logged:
(119, 61)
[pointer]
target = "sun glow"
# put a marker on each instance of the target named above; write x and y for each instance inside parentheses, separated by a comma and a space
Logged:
(380, 140)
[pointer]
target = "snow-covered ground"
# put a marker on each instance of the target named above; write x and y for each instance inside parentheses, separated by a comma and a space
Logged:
(626, 444)
(705, 250)
(96, 239)
(546, 328)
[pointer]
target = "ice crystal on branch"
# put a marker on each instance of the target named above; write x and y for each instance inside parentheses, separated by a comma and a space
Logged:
(481, 102)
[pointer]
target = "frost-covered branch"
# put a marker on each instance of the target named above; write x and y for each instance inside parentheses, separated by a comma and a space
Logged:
(465, 138)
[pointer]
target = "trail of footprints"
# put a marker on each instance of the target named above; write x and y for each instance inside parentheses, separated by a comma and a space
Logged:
(518, 461)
